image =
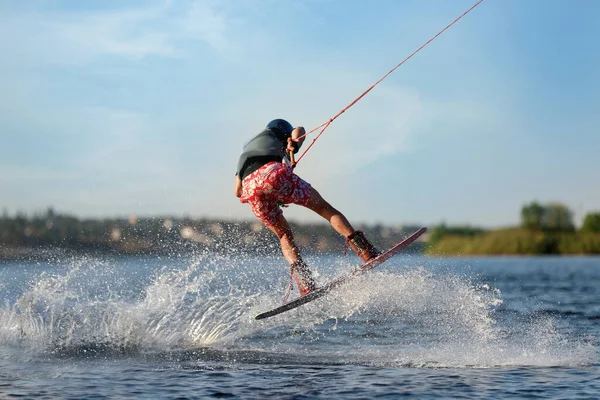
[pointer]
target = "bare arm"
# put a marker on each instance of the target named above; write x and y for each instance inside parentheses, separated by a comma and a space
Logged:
(237, 189)
(296, 133)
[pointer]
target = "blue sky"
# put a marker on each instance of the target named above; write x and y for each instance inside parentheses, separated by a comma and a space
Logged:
(137, 107)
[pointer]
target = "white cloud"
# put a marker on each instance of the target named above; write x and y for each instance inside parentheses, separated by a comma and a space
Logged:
(80, 37)
(69, 39)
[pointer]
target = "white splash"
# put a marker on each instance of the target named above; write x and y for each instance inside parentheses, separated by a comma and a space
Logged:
(429, 319)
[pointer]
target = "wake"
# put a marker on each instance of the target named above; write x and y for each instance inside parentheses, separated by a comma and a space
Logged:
(411, 317)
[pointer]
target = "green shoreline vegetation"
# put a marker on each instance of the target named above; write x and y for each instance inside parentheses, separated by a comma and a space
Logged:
(544, 230)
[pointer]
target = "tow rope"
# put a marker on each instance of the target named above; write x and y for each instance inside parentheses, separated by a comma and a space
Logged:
(326, 124)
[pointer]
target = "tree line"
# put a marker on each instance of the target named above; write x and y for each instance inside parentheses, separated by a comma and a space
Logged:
(23, 235)
(544, 229)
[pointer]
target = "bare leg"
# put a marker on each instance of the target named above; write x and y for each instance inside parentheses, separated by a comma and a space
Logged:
(299, 270)
(337, 220)
(286, 239)
(356, 240)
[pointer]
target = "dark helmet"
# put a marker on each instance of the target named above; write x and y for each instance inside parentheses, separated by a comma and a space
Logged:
(282, 125)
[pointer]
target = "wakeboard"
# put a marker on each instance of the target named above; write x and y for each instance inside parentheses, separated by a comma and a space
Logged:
(319, 292)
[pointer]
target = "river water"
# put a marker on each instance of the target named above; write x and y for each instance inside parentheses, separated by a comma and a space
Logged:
(183, 327)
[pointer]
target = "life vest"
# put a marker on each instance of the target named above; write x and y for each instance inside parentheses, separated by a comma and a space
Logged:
(268, 143)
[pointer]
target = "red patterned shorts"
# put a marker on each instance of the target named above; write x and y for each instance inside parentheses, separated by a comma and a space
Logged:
(271, 184)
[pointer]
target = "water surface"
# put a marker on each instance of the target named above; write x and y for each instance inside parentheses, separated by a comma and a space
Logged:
(151, 327)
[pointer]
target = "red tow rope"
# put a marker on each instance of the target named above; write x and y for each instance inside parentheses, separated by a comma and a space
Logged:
(325, 125)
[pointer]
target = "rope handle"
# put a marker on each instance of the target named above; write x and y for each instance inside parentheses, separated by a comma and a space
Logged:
(292, 157)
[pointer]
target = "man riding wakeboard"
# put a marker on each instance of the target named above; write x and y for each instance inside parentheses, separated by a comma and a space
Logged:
(265, 179)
